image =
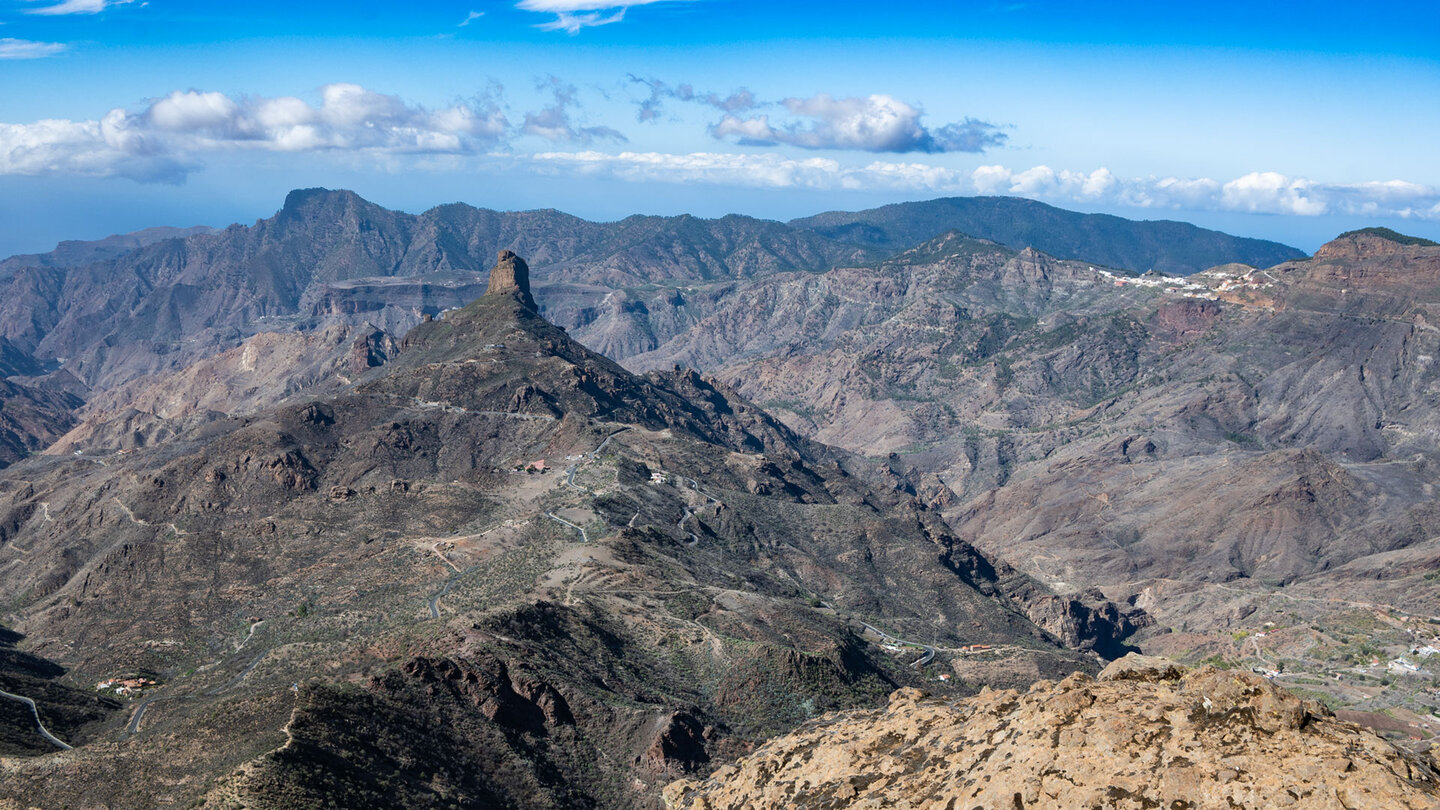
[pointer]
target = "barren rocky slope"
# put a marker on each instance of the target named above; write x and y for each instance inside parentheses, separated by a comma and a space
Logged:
(74, 713)
(261, 372)
(370, 596)
(75, 253)
(1148, 435)
(1144, 735)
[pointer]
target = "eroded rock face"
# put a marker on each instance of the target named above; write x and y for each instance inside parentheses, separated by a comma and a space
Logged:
(515, 700)
(1360, 245)
(511, 275)
(679, 746)
(1144, 735)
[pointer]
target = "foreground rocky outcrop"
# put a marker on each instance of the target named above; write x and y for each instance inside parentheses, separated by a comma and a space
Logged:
(1145, 734)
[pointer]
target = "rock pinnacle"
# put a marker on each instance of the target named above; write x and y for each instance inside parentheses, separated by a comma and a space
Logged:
(511, 275)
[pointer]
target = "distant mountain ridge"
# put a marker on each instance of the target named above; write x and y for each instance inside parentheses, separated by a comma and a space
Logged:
(1162, 245)
(158, 300)
(167, 303)
(73, 253)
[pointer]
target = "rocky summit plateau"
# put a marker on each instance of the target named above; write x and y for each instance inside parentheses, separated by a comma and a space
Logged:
(1144, 734)
(472, 509)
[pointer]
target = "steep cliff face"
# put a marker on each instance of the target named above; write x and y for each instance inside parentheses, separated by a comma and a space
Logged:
(511, 275)
(1146, 734)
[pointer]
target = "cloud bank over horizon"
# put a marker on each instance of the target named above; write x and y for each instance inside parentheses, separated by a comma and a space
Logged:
(1256, 192)
(169, 137)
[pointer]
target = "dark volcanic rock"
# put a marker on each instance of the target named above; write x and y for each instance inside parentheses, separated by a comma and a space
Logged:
(678, 748)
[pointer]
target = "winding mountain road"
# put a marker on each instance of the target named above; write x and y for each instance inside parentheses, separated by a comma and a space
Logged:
(689, 513)
(40, 724)
(250, 634)
(590, 456)
(435, 600)
(928, 656)
(134, 726)
(570, 480)
(234, 682)
(694, 538)
(584, 537)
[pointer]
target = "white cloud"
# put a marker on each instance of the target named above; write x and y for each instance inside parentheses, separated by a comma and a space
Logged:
(764, 171)
(77, 7)
(572, 23)
(168, 137)
(573, 15)
(172, 135)
(1272, 193)
(1260, 192)
(11, 48)
(876, 123)
(471, 17)
(990, 179)
(184, 112)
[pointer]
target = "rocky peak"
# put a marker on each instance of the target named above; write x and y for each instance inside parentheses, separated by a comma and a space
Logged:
(313, 202)
(1370, 242)
(1145, 734)
(511, 275)
(1028, 267)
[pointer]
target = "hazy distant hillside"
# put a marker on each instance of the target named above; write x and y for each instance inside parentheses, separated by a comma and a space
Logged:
(1167, 246)
(330, 256)
(73, 253)
(158, 300)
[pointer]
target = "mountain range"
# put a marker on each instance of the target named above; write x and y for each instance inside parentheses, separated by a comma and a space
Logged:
(368, 520)
(1239, 433)
(1166, 246)
(158, 300)
(315, 578)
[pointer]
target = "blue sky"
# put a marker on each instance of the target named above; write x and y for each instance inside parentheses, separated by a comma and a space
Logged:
(1282, 120)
